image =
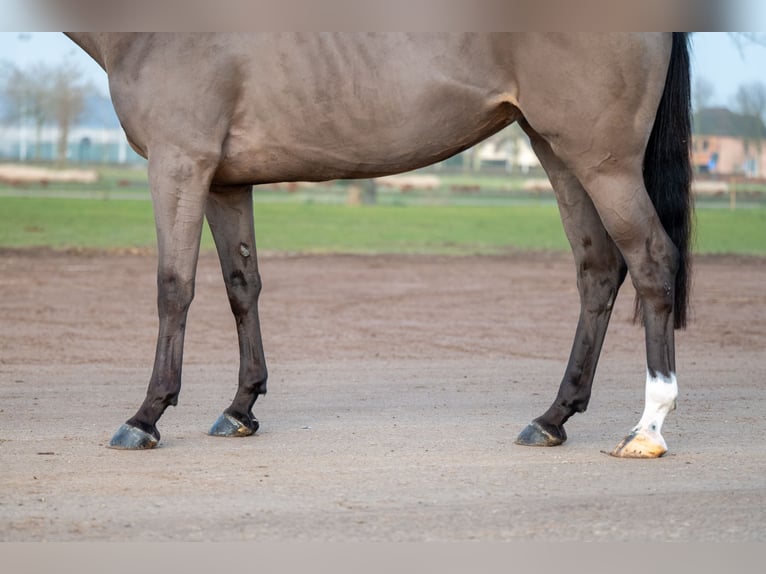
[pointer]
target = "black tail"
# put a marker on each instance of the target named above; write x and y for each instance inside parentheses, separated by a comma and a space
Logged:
(668, 171)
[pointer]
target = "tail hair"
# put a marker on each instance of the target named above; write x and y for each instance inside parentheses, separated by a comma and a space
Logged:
(668, 171)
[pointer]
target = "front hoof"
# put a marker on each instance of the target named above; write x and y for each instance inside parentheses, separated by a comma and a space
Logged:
(535, 435)
(227, 425)
(129, 437)
(641, 444)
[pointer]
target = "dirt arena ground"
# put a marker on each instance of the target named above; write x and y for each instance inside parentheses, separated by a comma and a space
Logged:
(397, 387)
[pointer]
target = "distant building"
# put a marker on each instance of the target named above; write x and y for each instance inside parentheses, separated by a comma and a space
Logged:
(511, 152)
(86, 145)
(726, 143)
(96, 138)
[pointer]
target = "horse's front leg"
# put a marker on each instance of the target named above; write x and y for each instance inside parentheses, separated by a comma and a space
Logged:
(230, 215)
(179, 187)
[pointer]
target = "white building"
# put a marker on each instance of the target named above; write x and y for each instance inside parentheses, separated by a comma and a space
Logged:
(86, 144)
(512, 153)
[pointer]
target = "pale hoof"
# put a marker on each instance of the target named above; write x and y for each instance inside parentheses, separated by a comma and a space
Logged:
(641, 444)
(535, 435)
(227, 425)
(129, 437)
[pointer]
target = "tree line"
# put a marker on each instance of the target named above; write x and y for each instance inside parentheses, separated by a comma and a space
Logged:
(750, 98)
(44, 94)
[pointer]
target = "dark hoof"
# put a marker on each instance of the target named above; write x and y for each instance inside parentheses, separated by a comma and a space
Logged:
(535, 435)
(129, 437)
(227, 425)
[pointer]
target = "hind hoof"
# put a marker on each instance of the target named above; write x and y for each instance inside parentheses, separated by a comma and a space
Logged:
(535, 435)
(641, 444)
(129, 437)
(227, 425)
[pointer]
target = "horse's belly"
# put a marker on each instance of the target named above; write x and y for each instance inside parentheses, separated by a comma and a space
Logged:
(319, 107)
(342, 150)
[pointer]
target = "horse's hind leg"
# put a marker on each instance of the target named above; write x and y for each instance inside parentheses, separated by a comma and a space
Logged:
(230, 215)
(597, 105)
(653, 261)
(600, 272)
(619, 195)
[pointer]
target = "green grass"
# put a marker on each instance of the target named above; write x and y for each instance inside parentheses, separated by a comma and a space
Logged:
(307, 227)
(320, 228)
(62, 223)
(742, 231)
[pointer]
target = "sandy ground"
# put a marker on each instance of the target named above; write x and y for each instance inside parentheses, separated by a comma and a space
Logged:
(398, 385)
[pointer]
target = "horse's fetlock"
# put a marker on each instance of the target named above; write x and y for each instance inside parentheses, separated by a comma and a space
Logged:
(258, 387)
(662, 390)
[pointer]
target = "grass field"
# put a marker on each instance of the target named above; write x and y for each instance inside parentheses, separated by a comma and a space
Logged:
(331, 227)
(483, 213)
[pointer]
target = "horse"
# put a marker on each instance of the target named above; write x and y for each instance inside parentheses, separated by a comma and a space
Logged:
(608, 115)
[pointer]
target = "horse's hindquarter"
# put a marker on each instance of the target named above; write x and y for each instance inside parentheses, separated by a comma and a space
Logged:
(317, 107)
(592, 96)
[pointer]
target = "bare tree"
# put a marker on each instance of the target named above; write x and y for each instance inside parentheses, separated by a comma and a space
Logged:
(27, 93)
(750, 100)
(45, 93)
(702, 93)
(742, 39)
(67, 102)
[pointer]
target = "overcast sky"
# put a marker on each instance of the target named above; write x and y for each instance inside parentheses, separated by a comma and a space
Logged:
(715, 56)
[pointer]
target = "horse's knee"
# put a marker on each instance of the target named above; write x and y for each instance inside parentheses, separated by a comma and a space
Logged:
(174, 293)
(243, 289)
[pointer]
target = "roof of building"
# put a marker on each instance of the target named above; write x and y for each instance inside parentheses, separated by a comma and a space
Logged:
(724, 122)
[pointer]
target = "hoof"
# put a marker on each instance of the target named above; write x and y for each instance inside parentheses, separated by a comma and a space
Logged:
(129, 437)
(227, 425)
(535, 435)
(641, 444)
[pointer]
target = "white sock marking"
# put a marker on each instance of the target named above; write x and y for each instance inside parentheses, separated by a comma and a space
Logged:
(660, 399)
